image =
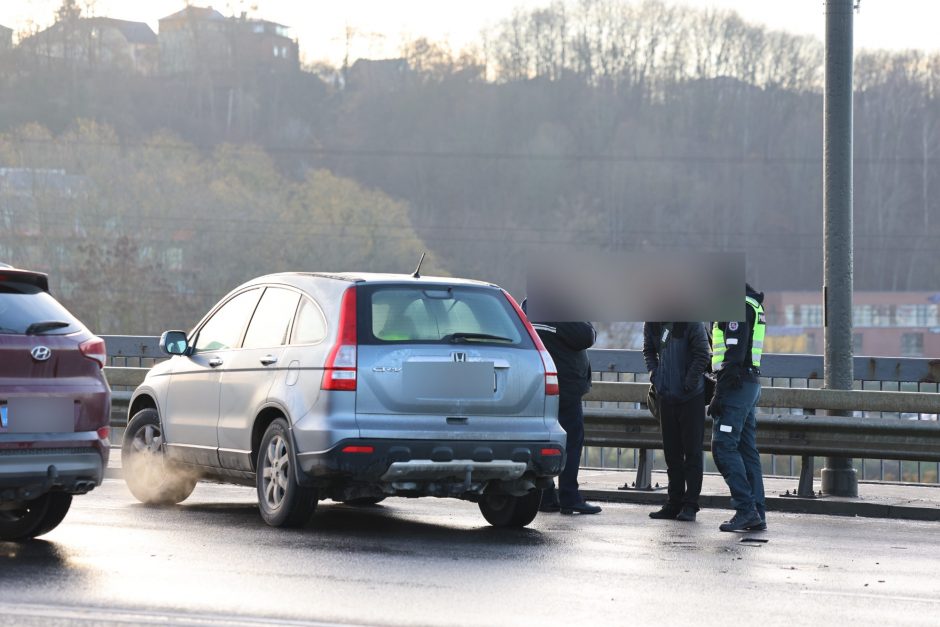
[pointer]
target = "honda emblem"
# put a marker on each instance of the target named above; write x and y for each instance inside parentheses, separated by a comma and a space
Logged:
(461, 357)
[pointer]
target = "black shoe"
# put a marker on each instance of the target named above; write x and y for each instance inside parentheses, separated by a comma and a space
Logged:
(668, 512)
(761, 526)
(687, 514)
(742, 522)
(581, 508)
(549, 508)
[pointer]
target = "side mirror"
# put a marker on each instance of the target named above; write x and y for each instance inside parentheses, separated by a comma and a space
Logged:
(174, 343)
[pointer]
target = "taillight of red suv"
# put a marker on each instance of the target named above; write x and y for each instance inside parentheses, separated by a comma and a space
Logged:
(95, 350)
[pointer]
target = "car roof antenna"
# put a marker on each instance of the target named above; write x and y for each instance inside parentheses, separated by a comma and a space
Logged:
(417, 273)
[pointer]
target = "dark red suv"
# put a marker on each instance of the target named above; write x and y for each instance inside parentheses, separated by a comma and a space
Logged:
(55, 407)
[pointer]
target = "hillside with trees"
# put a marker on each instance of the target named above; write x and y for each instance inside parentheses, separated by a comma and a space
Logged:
(607, 124)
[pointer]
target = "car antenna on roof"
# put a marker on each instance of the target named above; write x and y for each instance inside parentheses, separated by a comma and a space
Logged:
(417, 273)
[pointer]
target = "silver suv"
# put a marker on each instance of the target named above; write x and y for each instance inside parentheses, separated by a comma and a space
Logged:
(352, 387)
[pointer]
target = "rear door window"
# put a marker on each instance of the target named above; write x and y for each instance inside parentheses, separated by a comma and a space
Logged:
(310, 325)
(438, 315)
(224, 329)
(269, 324)
(25, 307)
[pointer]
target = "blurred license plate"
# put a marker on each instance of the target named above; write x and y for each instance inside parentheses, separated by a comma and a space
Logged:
(448, 379)
(40, 415)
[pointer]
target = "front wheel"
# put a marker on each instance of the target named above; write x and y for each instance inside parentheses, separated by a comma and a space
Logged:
(149, 476)
(283, 501)
(503, 510)
(34, 518)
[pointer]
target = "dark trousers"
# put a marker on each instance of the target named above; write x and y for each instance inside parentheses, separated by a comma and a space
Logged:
(683, 427)
(571, 419)
(734, 447)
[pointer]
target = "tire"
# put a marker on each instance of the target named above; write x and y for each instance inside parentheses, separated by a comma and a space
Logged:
(282, 501)
(36, 517)
(503, 510)
(149, 476)
(365, 501)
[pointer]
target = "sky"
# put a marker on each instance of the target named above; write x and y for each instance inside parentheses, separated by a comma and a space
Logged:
(379, 26)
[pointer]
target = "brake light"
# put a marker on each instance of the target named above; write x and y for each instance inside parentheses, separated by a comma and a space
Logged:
(94, 349)
(551, 452)
(104, 432)
(339, 373)
(358, 449)
(551, 373)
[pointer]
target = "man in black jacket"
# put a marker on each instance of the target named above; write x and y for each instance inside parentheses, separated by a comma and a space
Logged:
(676, 355)
(567, 342)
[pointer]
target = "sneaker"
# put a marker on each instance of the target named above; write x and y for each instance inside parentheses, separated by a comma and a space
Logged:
(668, 512)
(742, 522)
(581, 508)
(761, 526)
(687, 514)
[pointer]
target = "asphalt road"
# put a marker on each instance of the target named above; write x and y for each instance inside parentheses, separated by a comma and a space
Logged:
(212, 561)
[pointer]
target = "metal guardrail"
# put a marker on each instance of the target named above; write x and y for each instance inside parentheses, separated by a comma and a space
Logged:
(789, 382)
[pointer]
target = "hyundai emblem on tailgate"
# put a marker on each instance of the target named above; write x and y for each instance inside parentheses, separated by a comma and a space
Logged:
(460, 357)
(41, 353)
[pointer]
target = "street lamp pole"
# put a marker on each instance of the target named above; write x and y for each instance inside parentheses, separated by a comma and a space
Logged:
(838, 476)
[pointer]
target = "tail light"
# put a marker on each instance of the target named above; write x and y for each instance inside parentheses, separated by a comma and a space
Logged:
(551, 373)
(94, 349)
(339, 373)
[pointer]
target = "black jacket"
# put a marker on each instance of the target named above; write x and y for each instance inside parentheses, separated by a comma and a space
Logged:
(678, 366)
(567, 342)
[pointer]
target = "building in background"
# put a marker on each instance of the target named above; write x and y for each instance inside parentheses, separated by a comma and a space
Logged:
(892, 324)
(98, 43)
(201, 39)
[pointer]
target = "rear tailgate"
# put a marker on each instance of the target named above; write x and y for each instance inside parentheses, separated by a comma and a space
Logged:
(446, 362)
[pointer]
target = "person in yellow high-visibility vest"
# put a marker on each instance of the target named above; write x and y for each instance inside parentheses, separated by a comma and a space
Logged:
(737, 347)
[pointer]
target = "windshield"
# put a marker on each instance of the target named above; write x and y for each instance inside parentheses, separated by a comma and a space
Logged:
(27, 310)
(438, 315)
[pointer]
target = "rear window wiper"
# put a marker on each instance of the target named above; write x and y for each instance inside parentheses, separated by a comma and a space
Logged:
(453, 338)
(48, 325)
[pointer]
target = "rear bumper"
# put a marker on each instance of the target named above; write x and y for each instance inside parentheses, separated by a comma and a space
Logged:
(28, 472)
(396, 461)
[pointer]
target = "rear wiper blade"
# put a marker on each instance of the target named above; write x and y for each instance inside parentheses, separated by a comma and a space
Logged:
(453, 338)
(41, 327)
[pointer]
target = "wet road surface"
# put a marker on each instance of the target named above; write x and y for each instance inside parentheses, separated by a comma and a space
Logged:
(212, 561)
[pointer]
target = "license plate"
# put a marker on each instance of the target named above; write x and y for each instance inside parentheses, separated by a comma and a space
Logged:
(450, 380)
(39, 415)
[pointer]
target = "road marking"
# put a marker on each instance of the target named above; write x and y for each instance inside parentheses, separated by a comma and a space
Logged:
(147, 617)
(880, 597)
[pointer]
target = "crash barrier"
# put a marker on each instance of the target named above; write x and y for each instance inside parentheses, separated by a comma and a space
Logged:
(616, 419)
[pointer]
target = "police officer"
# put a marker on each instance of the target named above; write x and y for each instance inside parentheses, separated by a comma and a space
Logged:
(737, 348)
(567, 342)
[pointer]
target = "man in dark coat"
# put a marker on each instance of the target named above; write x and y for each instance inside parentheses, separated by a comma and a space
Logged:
(567, 342)
(677, 355)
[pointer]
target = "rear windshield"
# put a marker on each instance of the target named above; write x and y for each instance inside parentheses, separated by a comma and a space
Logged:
(26, 308)
(438, 315)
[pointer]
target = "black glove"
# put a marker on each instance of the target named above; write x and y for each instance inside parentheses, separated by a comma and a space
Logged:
(714, 408)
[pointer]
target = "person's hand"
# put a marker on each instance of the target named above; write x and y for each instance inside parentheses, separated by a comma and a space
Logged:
(714, 408)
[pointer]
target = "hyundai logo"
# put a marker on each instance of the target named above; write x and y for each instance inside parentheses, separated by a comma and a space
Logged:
(41, 353)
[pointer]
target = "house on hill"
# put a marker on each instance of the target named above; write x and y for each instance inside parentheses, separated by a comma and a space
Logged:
(98, 43)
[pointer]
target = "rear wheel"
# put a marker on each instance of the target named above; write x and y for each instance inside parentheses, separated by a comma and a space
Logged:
(503, 510)
(34, 518)
(149, 476)
(283, 501)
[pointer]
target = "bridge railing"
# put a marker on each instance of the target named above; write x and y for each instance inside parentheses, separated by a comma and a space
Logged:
(893, 432)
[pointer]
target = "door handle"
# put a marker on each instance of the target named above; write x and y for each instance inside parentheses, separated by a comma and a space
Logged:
(267, 360)
(215, 362)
